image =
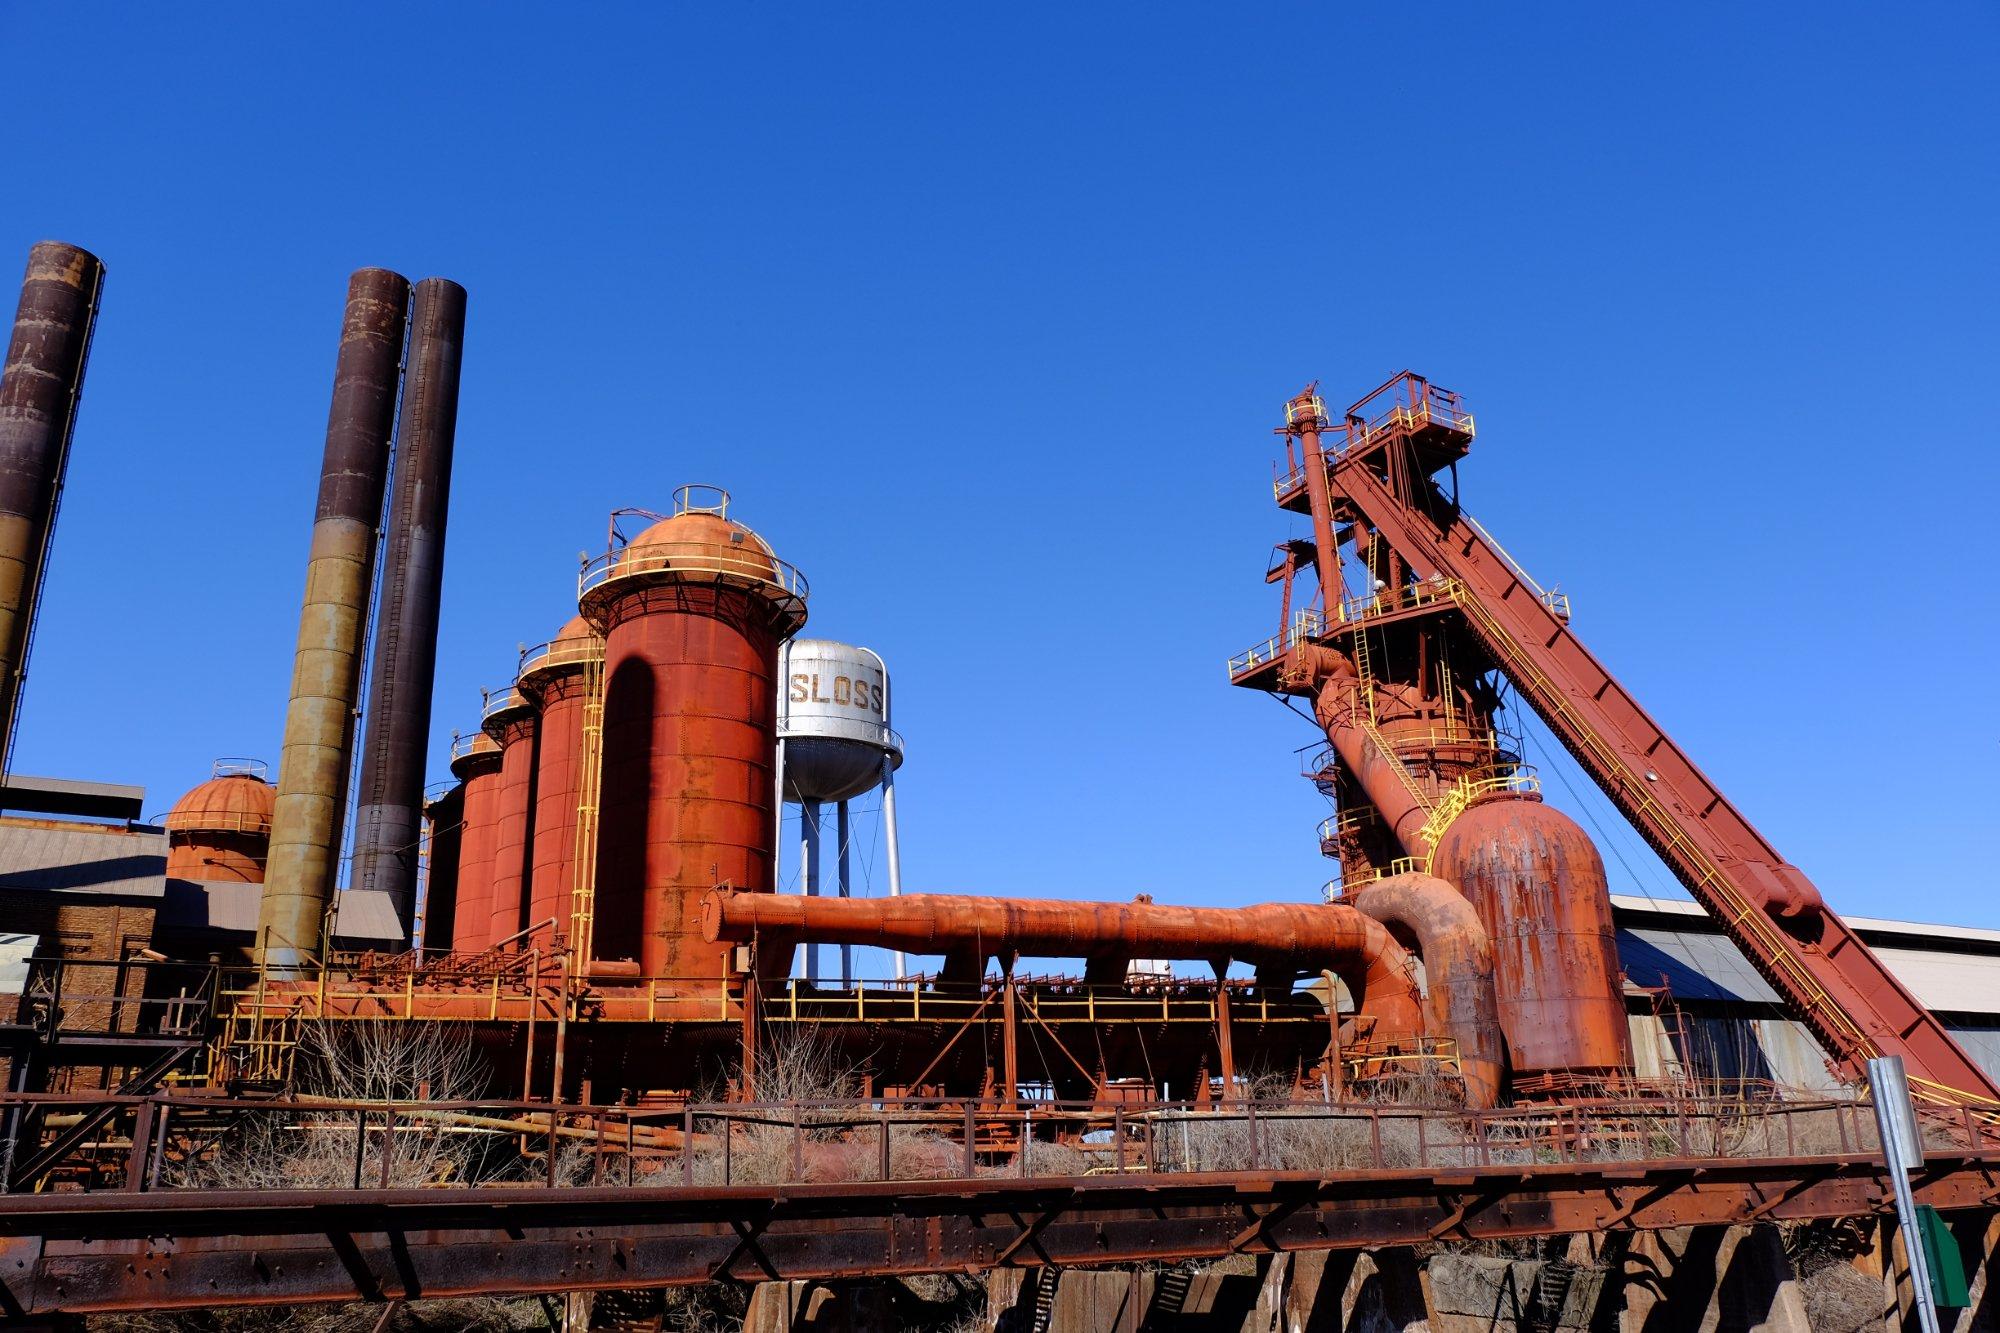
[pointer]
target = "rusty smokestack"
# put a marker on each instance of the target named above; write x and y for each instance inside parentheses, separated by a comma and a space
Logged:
(396, 739)
(333, 623)
(39, 387)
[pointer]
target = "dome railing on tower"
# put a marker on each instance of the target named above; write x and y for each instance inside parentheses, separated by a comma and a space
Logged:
(238, 766)
(878, 734)
(759, 570)
(499, 702)
(557, 654)
(464, 743)
(216, 821)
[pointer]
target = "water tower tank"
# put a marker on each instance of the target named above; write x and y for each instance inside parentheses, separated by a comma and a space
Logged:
(833, 716)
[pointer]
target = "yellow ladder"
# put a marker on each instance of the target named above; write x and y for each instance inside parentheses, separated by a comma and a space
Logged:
(589, 781)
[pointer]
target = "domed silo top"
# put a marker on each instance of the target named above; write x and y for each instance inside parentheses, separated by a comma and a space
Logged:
(833, 716)
(575, 646)
(505, 709)
(698, 545)
(474, 753)
(236, 800)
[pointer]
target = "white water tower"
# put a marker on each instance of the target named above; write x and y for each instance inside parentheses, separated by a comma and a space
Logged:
(834, 744)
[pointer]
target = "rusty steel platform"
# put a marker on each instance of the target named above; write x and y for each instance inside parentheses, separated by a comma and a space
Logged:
(81, 1253)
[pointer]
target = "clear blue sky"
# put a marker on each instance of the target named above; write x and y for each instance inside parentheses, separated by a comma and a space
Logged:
(985, 316)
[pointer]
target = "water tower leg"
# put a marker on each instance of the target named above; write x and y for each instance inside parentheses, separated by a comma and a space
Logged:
(846, 891)
(809, 873)
(889, 835)
(778, 820)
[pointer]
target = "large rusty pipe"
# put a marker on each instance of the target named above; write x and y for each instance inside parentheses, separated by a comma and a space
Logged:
(1431, 917)
(40, 383)
(326, 672)
(396, 741)
(1337, 708)
(1303, 419)
(1270, 935)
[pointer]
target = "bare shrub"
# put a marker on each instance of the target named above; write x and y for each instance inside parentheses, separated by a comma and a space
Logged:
(1840, 1298)
(1282, 1136)
(377, 1060)
(471, 1316)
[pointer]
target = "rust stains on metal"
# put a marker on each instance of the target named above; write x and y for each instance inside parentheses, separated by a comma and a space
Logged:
(477, 767)
(692, 611)
(326, 675)
(554, 675)
(513, 721)
(40, 384)
(1539, 885)
(1270, 936)
(1434, 919)
(221, 830)
(396, 738)
(446, 819)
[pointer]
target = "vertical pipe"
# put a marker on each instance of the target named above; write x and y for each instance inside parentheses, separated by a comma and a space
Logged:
(396, 741)
(778, 811)
(326, 673)
(889, 835)
(842, 831)
(1304, 421)
(40, 383)
(809, 856)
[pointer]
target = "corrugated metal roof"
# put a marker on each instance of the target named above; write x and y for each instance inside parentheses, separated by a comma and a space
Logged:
(1703, 965)
(1626, 903)
(1693, 964)
(125, 862)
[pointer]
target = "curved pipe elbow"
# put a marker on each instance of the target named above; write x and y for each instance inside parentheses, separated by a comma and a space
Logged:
(1462, 1002)
(1380, 977)
(1275, 936)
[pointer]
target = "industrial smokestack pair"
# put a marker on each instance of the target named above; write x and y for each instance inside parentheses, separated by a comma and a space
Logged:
(333, 624)
(40, 384)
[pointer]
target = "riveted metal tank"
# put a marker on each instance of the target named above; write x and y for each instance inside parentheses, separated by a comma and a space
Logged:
(445, 817)
(475, 762)
(555, 675)
(222, 829)
(833, 715)
(514, 722)
(692, 611)
(1539, 885)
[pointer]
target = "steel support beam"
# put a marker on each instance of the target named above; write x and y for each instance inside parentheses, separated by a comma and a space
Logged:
(83, 1253)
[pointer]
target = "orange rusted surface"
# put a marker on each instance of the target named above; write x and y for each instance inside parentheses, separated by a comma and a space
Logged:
(1331, 679)
(1268, 936)
(514, 725)
(446, 819)
(555, 679)
(221, 830)
(1539, 885)
(479, 770)
(692, 612)
(1432, 918)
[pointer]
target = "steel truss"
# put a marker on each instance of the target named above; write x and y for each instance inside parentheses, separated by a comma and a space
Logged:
(83, 1253)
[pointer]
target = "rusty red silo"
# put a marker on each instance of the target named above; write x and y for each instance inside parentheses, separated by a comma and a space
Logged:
(444, 818)
(475, 761)
(514, 723)
(221, 830)
(555, 675)
(1539, 885)
(693, 610)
